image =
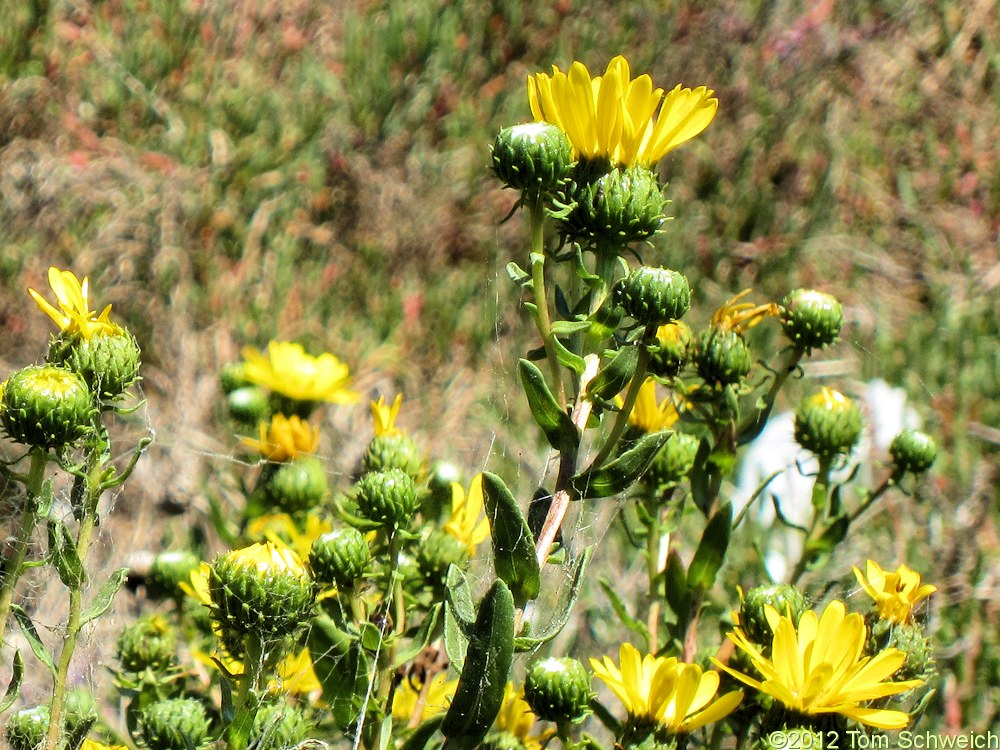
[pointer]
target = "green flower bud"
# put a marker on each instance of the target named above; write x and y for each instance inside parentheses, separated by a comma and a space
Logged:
(249, 405)
(919, 665)
(232, 377)
(811, 319)
(339, 557)
(149, 643)
(46, 406)
(828, 423)
(722, 356)
(620, 206)
(654, 296)
(393, 450)
(108, 362)
(673, 350)
(913, 450)
(673, 462)
(387, 497)
(558, 689)
(262, 590)
(535, 157)
(167, 572)
(26, 728)
(438, 551)
(279, 726)
(174, 724)
(783, 597)
(297, 485)
(502, 740)
(81, 715)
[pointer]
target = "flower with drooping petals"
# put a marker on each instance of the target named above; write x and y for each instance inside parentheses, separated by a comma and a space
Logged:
(286, 369)
(895, 593)
(648, 415)
(74, 313)
(411, 697)
(467, 522)
(284, 438)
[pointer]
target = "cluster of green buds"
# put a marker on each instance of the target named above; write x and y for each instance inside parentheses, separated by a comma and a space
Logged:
(26, 728)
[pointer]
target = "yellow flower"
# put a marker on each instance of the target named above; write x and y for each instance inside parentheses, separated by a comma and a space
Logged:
(280, 529)
(284, 438)
(516, 718)
(467, 523)
(646, 414)
(384, 416)
(896, 593)
(294, 675)
(615, 117)
(819, 668)
(739, 316)
(676, 695)
(287, 370)
(95, 745)
(74, 313)
(436, 700)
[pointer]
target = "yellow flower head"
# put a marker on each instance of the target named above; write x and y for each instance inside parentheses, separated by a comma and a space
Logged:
(281, 530)
(95, 745)
(287, 370)
(294, 674)
(895, 593)
(516, 718)
(671, 693)
(646, 414)
(467, 523)
(739, 316)
(616, 117)
(284, 438)
(436, 698)
(384, 416)
(819, 667)
(74, 313)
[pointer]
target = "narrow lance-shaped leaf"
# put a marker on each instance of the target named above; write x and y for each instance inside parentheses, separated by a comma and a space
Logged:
(105, 595)
(63, 554)
(31, 635)
(513, 545)
(614, 376)
(555, 423)
(620, 474)
(711, 552)
(14, 687)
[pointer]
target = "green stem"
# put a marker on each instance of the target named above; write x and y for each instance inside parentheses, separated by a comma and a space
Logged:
(541, 313)
(820, 497)
(891, 481)
(245, 704)
(653, 534)
(29, 519)
(753, 426)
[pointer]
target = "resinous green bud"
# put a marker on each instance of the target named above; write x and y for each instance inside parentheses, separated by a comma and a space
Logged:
(783, 597)
(673, 350)
(233, 376)
(249, 405)
(393, 450)
(46, 406)
(828, 423)
(108, 362)
(534, 157)
(339, 557)
(654, 296)
(167, 572)
(439, 550)
(617, 207)
(919, 665)
(80, 711)
(279, 726)
(722, 356)
(297, 485)
(913, 450)
(811, 319)
(149, 643)
(387, 497)
(26, 728)
(673, 462)
(174, 724)
(558, 689)
(262, 590)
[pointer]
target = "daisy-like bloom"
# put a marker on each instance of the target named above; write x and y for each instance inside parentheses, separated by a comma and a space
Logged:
(280, 529)
(286, 369)
(284, 438)
(675, 695)
(616, 117)
(384, 416)
(819, 668)
(646, 414)
(517, 719)
(436, 699)
(73, 298)
(467, 523)
(739, 316)
(895, 593)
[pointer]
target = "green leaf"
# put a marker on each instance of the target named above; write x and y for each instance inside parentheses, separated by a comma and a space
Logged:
(614, 375)
(834, 534)
(555, 423)
(711, 552)
(606, 320)
(14, 688)
(456, 642)
(63, 554)
(621, 611)
(45, 497)
(567, 358)
(518, 275)
(422, 734)
(105, 595)
(31, 635)
(620, 474)
(459, 596)
(421, 638)
(555, 626)
(676, 590)
(513, 545)
(569, 327)
(341, 668)
(480, 689)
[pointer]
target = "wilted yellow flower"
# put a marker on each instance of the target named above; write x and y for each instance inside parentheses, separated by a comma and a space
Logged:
(284, 438)
(516, 718)
(819, 668)
(74, 313)
(895, 593)
(646, 414)
(616, 117)
(436, 700)
(287, 370)
(671, 693)
(467, 522)
(739, 316)
(384, 416)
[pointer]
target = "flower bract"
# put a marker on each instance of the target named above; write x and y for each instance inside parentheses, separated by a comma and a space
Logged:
(820, 667)
(286, 369)
(895, 592)
(73, 298)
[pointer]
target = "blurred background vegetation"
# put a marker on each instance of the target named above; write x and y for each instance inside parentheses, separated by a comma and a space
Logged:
(230, 171)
